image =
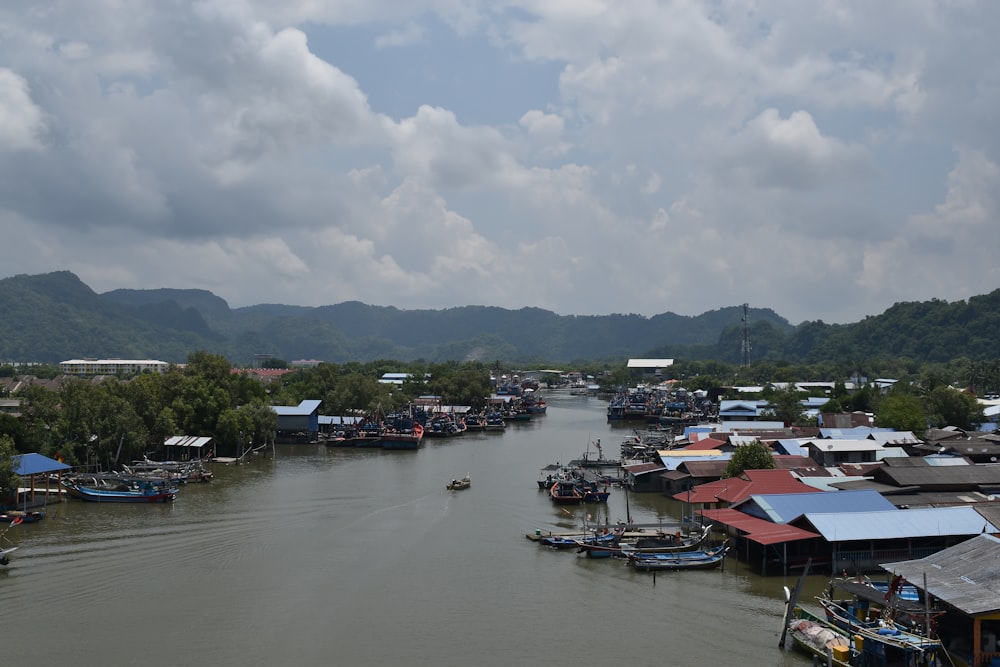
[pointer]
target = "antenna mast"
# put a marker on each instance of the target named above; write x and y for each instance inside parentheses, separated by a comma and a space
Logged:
(745, 350)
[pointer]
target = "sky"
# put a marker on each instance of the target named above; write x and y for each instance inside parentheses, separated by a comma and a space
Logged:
(823, 159)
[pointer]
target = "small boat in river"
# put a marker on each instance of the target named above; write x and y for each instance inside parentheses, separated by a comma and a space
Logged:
(459, 484)
(4, 553)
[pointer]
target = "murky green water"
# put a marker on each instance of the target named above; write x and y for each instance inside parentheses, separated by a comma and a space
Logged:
(324, 556)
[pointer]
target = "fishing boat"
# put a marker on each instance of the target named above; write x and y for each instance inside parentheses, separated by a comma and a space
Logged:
(566, 492)
(816, 637)
(665, 543)
(4, 555)
(685, 560)
(851, 602)
(494, 423)
(404, 437)
(459, 484)
(142, 493)
(15, 517)
(604, 540)
(870, 645)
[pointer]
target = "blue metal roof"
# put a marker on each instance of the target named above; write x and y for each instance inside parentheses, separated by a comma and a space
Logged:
(34, 464)
(785, 507)
(887, 525)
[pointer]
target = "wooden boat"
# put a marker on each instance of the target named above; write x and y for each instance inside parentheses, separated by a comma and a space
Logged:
(459, 484)
(814, 636)
(891, 604)
(603, 540)
(15, 517)
(410, 438)
(666, 543)
(494, 422)
(143, 493)
(566, 492)
(870, 645)
(685, 560)
(4, 555)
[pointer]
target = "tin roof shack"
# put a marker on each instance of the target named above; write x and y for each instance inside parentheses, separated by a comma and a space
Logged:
(966, 580)
(297, 424)
(731, 491)
(762, 530)
(833, 452)
(861, 541)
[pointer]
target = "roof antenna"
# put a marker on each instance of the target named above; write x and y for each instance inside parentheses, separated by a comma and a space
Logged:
(745, 350)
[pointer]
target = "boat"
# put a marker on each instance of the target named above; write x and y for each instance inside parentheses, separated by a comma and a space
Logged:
(684, 560)
(603, 540)
(870, 645)
(814, 636)
(870, 604)
(142, 493)
(407, 436)
(15, 517)
(459, 484)
(566, 492)
(4, 555)
(666, 543)
(494, 422)
(443, 425)
(475, 422)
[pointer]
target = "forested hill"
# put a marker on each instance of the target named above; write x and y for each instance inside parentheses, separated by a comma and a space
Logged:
(53, 317)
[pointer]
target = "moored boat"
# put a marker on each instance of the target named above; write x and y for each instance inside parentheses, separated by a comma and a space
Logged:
(143, 493)
(565, 492)
(865, 645)
(15, 517)
(684, 560)
(403, 438)
(668, 543)
(815, 637)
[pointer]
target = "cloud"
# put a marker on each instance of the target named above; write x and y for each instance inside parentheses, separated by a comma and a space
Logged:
(21, 120)
(587, 157)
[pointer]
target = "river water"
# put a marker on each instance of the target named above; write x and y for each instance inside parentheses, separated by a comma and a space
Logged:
(326, 556)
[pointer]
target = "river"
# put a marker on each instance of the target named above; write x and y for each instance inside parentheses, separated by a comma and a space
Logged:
(327, 556)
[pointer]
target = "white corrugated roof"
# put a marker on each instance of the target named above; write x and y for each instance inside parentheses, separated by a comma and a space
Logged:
(845, 445)
(650, 363)
(887, 525)
(187, 441)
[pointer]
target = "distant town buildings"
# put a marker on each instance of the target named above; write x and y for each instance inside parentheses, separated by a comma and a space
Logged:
(112, 366)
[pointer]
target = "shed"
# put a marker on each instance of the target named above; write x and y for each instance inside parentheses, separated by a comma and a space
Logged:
(297, 423)
(193, 445)
(862, 540)
(966, 579)
(32, 464)
(786, 507)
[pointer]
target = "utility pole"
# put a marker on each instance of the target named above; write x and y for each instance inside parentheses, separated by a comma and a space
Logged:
(745, 350)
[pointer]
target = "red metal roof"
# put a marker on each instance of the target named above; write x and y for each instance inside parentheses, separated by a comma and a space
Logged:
(752, 482)
(758, 530)
(706, 443)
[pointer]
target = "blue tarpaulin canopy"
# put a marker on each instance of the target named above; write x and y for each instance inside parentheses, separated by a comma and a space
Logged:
(35, 464)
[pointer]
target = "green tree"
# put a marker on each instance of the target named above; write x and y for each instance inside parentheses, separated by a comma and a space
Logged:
(901, 410)
(950, 407)
(9, 481)
(754, 455)
(784, 405)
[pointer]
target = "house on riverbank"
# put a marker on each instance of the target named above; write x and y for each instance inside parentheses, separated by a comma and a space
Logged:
(840, 530)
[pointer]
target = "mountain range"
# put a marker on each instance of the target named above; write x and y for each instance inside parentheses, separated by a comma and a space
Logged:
(53, 317)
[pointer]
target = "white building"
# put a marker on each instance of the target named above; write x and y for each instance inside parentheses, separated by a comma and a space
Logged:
(112, 366)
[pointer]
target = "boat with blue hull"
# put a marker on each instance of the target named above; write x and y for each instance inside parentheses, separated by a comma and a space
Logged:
(684, 560)
(143, 493)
